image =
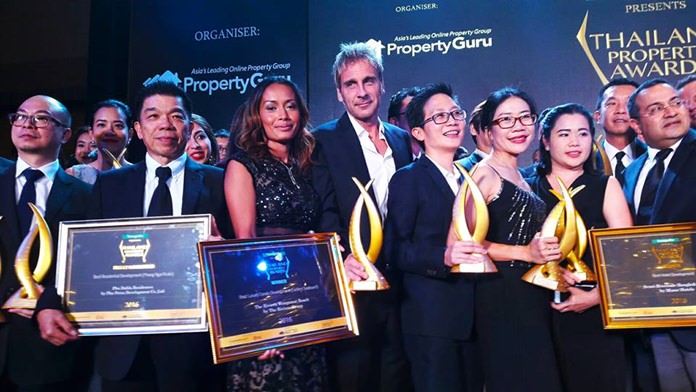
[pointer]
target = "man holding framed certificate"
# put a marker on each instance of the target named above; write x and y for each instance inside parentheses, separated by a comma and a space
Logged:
(166, 183)
(660, 187)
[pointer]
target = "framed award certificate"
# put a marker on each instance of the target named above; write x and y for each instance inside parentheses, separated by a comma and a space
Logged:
(646, 275)
(275, 292)
(133, 276)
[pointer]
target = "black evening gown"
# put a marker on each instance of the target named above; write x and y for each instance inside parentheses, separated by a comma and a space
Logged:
(590, 358)
(512, 316)
(286, 203)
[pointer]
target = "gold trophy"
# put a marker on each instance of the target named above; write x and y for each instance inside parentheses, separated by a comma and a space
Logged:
(560, 223)
(375, 280)
(461, 226)
(606, 162)
(28, 294)
(115, 161)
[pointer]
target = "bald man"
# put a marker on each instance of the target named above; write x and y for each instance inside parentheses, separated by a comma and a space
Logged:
(40, 127)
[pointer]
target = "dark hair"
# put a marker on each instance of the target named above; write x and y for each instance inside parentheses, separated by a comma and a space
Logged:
(633, 109)
(397, 99)
(612, 83)
(546, 125)
(414, 110)
(497, 98)
(222, 133)
(475, 119)
(161, 88)
(251, 137)
(111, 103)
(81, 131)
(687, 80)
(205, 126)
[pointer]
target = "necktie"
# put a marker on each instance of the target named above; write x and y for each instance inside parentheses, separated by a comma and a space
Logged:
(161, 203)
(652, 181)
(27, 196)
(619, 168)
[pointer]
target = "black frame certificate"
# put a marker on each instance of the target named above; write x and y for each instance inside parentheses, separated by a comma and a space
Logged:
(275, 292)
(133, 276)
(646, 275)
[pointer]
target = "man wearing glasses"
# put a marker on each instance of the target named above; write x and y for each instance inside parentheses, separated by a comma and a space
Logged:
(40, 127)
(360, 145)
(661, 188)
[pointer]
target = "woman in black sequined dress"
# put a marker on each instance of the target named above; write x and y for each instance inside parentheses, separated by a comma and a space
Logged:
(591, 359)
(268, 191)
(511, 315)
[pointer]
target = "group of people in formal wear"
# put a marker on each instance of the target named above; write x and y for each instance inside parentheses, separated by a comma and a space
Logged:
(433, 330)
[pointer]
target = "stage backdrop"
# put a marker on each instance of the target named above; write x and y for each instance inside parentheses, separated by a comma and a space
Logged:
(559, 51)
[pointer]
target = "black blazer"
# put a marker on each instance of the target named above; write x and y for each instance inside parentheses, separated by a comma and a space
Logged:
(637, 147)
(5, 162)
(28, 358)
(338, 157)
(470, 161)
(119, 194)
(435, 302)
(674, 202)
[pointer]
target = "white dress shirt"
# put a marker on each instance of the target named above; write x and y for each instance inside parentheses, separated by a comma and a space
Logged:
(451, 176)
(649, 163)
(381, 168)
(42, 185)
(611, 153)
(175, 183)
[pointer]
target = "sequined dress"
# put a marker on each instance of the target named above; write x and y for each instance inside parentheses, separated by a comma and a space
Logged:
(286, 203)
(582, 345)
(513, 316)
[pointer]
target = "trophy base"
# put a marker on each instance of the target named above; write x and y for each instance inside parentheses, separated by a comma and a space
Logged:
(368, 285)
(536, 276)
(17, 301)
(474, 268)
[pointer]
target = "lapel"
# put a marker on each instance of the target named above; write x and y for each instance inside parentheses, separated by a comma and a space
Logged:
(193, 185)
(400, 150)
(132, 179)
(631, 179)
(59, 195)
(436, 175)
(675, 166)
(350, 145)
(8, 200)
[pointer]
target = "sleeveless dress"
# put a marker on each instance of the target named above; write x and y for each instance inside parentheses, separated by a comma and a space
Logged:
(512, 316)
(286, 203)
(590, 358)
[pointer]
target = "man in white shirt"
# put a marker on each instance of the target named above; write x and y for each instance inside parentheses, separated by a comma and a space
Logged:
(360, 145)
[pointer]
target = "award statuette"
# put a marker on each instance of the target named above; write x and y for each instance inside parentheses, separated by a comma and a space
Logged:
(561, 223)
(375, 280)
(606, 162)
(115, 161)
(461, 226)
(28, 294)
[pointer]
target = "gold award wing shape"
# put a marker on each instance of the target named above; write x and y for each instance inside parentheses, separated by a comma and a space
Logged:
(375, 280)
(115, 161)
(575, 264)
(560, 223)
(461, 224)
(606, 162)
(27, 296)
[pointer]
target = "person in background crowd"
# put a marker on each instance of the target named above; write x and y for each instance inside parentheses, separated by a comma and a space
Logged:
(111, 131)
(620, 141)
(660, 187)
(396, 114)
(202, 147)
(512, 317)
(40, 127)
(84, 145)
(481, 140)
(166, 183)
(360, 145)
(437, 312)
(222, 136)
(687, 92)
(582, 345)
(269, 191)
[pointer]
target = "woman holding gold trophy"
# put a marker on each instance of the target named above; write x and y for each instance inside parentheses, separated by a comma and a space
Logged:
(512, 317)
(590, 358)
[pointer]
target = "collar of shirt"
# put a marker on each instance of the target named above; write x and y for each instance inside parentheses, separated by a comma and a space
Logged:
(649, 163)
(452, 177)
(49, 170)
(480, 153)
(652, 152)
(362, 132)
(176, 182)
(611, 152)
(43, 184)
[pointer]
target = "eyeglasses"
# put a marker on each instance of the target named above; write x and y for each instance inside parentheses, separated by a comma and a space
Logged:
(443, 117)
(39, 120)
(659, 108)
(510, 121)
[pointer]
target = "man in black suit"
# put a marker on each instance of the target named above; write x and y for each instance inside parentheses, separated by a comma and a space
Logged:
(660, 187)
(396, 115)
(5, 162)
(360, 145)
(40, 127)
(166, 362)
(481, 139)
(437, 310)
(611, 114)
